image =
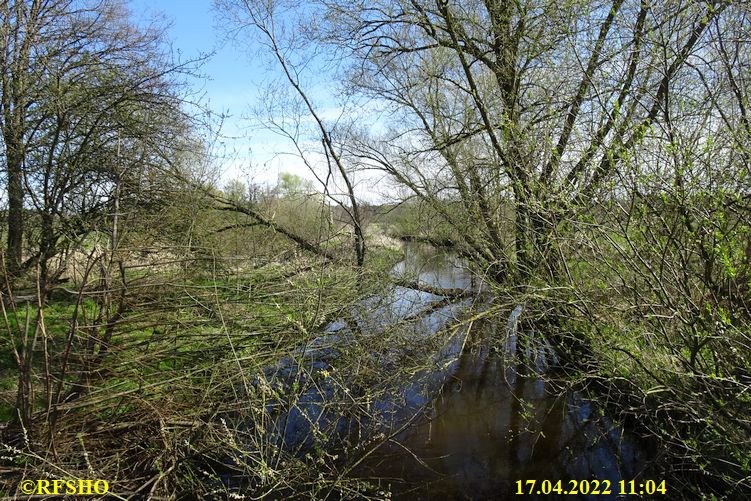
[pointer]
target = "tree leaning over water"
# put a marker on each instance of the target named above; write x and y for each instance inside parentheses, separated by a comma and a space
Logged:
(516, 112)
(593, 155)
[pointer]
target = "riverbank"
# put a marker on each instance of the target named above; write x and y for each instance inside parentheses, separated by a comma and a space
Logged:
(315, 381)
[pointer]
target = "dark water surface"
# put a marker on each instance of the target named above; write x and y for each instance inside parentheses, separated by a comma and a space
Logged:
(486, 420)
(490, 427)
(495, 421)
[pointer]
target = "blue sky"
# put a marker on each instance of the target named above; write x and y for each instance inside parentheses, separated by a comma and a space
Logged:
(234, 83)
(231, 86)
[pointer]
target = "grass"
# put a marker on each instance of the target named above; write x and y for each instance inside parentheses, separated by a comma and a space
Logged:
(183, 386)
(181, 356)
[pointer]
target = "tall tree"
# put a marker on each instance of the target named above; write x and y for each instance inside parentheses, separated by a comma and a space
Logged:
(90, 106)
(82, 91)
(24, 28)
(275, 30)
(527, 105)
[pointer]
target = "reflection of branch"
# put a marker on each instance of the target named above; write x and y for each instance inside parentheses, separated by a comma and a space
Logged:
(414, 456)
(383, 439)
(438, 291)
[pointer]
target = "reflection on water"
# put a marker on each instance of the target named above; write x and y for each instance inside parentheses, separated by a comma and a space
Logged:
(494, 422)
(489, 421)
(434, 267)
(491, 426)
(417, 322)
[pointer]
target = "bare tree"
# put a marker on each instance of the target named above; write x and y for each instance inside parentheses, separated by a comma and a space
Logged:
(24, 29)
(520, 105)
(280, 38)
(90, 107)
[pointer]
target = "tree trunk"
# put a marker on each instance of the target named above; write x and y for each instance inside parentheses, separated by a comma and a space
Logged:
(15, 206)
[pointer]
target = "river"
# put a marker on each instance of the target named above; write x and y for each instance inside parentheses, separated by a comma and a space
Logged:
(485, 420)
